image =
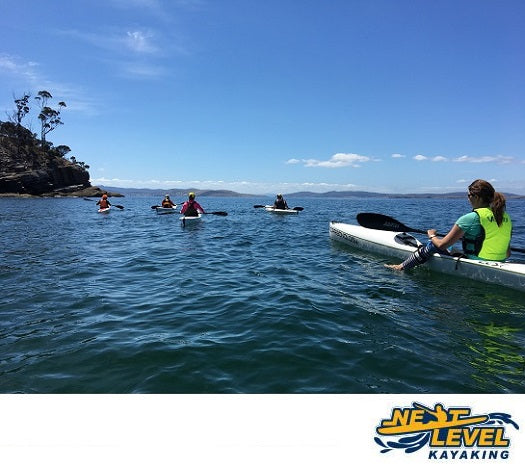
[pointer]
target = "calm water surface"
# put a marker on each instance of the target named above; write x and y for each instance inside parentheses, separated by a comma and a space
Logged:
(250, 303)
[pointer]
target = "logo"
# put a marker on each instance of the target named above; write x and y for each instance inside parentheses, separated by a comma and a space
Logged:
(449, 434)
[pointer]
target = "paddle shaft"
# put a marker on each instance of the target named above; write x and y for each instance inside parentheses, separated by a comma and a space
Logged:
(386, 223)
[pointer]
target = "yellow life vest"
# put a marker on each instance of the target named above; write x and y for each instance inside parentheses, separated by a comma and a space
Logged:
(496, 238)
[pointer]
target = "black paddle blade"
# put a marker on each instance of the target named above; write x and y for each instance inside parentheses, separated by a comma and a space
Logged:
(218, 213)
(154, 207)
(120, 207)
(383, 223)
(258, 206)
(298, 208)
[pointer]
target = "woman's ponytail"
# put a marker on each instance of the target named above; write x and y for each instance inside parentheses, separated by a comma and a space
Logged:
(498, 207)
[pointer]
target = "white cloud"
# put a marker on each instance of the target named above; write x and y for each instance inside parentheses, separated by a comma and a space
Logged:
(336, 161)
(469, 159)
(27, 71)
(140, 42)
(29, 76)
(485, 159)
(398, 156)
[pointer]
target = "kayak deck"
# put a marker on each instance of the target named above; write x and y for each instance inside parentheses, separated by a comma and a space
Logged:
(400, 245)
(185, 220)
(271, 209)
(165, 210)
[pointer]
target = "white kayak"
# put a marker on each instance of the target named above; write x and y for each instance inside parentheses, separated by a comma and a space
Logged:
(271, 209)
(186, 220)
(104, 210)
(162, 210)
(401, 245)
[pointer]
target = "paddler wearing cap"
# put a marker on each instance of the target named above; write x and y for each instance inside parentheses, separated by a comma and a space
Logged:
(280, 203)
(104, 202)
(191, 207)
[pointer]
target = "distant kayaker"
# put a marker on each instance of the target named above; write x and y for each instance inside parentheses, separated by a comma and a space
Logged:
(280, 203)
(104, 202)
(167, 203)
(485, 231)
(191, 207)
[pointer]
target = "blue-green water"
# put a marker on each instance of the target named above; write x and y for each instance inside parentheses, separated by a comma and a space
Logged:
(251, 303)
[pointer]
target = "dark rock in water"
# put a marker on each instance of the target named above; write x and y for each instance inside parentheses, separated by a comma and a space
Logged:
(30, 167)
(44, 180)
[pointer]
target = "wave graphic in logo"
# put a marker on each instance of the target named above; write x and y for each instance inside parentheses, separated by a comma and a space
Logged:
(448, 433)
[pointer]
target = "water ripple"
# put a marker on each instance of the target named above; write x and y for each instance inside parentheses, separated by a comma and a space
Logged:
(254, 303)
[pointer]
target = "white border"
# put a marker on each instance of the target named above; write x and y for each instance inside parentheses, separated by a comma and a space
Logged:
(269, 431)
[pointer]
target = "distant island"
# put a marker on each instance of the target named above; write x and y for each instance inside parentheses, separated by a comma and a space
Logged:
(178, 192)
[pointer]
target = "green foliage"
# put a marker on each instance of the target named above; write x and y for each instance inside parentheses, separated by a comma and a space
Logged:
(22, 109)
(49, 117)
(62, 150)
(23, 144)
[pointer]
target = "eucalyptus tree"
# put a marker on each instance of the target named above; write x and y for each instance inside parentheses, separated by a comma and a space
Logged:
(49, 117)
(22, 109)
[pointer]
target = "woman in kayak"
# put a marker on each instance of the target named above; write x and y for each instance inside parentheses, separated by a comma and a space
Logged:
(485, 231)
(104, 202)
(191, 207)
(280, 203)
(167, 203)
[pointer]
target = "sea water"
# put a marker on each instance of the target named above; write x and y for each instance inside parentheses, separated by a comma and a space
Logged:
(133, 302)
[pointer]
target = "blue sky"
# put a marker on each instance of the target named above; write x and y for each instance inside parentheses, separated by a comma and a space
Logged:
(277, 95)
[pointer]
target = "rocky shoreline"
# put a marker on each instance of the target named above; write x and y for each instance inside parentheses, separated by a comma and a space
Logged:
(76, 192)
(33, 168)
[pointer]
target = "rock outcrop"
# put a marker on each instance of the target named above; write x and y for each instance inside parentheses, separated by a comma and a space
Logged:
(28, 167)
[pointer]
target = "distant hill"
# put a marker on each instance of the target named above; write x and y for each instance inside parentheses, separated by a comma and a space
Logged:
(175, 192)
(178, 192)
(361, 194)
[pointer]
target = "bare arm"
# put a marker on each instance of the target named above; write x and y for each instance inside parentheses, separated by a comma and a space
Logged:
(454, 235)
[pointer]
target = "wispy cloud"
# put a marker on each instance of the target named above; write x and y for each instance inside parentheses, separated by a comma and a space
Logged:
(153, 8)
(133, 53)
(140, 41)
(468, 159)
(142, 70)
(485, 159)
(336, 161)
(159, 9)
(31, 79)
(14, 66)
(398, 156)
